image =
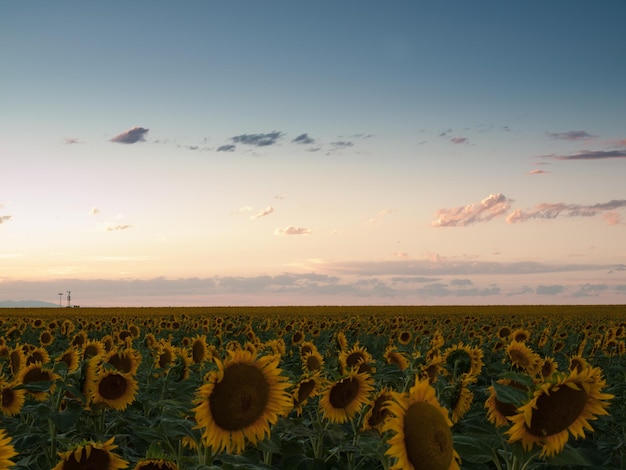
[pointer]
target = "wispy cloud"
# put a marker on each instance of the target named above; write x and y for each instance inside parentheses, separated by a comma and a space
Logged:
(265, 212)
(303, 139)
(492, 206)
(291, 230)
(554, 210)
(459, 140)
(572, 135)
(4, 218)
(113, 228)
(131, 136)
(591, 155)
(226, 148)
(94, 211)
(258, 140)
(72, 140)
(537, 171)
(342, 144)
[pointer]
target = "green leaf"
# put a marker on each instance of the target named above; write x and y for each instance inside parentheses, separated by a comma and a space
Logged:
(571, 456)
(508, 394)
(476, 448)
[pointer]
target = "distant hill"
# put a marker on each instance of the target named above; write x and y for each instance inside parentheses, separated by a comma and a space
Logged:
(26, 304)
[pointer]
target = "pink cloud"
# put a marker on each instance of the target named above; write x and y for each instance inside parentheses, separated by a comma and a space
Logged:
(263, 213)
(612, 218)
(492, 206)
(459, 140)
(291, 230)
(537, 171)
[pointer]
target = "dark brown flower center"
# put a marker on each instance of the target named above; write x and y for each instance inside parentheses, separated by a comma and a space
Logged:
(98, 459)
(427, 438)
(240, 398)
(557, 411)
(112, 387)
(344, 392)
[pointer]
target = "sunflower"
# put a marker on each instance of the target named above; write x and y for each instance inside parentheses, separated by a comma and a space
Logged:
(461, 398)
(312, 362)
(378, 412)
(307, 347)
(405, 337)
(343, 399)
(524, 358)
(499, 412)
(355, 357)
(124, 360)
(461, 359)
(71, 358)
(241, 400)
(308, 388)
(421, 438)
(39, 354)
(7, 451)
(46, 338)
(199, 349)
(114, 388)
(561, 406)
(156, 464)
(520, 335)
(11, 398)
(93, 348)
(431, 370)
(91, 456)
(35, 373)
(578, 363)
(393, 356)
(548, 367)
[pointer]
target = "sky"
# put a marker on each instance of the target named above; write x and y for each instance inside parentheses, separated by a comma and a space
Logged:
(158, 153)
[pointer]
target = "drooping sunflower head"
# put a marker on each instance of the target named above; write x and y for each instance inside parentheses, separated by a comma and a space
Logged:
(308, 388)
(199, 349)
(460, 398)
(548, 367)
(524, 358)
(559, 407)
(343, 399)
(241, 400)
(378, 411)
(71, 358)
(421, 436)
(125, 360)
(91, 456)
(578, 363)
(156, 464)
(461, 359)
(499, 411)
(37, 374)
(393, 356)
(7, 451)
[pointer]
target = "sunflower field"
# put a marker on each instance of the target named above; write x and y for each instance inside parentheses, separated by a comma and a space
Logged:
(313, 388)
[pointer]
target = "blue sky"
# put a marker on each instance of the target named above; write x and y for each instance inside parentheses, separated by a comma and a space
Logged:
(262, 153)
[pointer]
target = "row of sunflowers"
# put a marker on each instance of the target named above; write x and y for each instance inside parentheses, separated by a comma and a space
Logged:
(313, 388)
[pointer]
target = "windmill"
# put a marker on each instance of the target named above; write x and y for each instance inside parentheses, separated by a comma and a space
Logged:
(69, 298)
(60, 299)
